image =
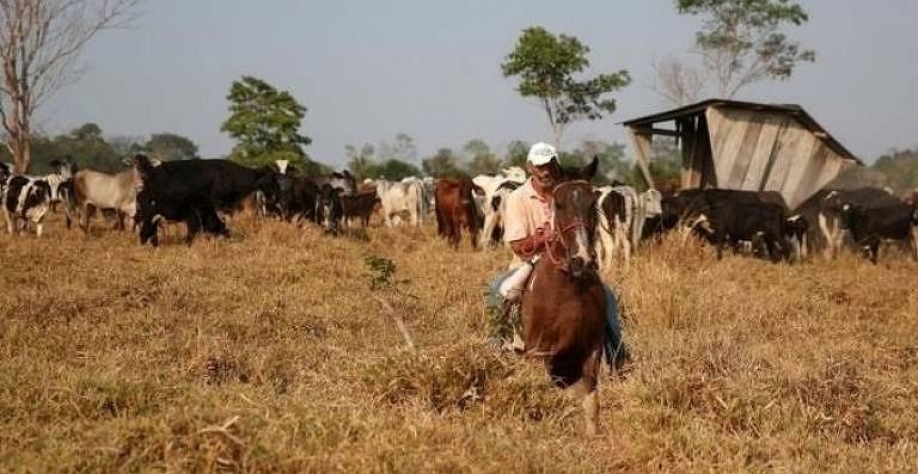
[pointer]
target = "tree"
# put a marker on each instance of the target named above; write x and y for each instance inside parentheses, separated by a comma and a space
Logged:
(171, 147)
(679, 82)
(480, 158)
(360, 162)
(40, 41)
(665, 166)
(395, 170)
(546, 65)
(442, 165)
(517, 151)
(613, 166)
(265, 123)
(741, 43)
(125, 145)
(403, 149)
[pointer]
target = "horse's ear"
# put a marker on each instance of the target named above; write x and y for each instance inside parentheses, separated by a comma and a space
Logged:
(588, 171)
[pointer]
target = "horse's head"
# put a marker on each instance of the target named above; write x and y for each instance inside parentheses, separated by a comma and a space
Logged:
(573, 227)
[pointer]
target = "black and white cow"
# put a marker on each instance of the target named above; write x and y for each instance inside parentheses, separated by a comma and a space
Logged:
(493, 198)
(493, 230)
(26, 199)
(623, 212)
(870, 226)
(823, 211)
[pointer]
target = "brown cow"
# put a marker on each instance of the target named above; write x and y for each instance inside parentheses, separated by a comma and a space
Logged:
(455, 207)
(360, 206)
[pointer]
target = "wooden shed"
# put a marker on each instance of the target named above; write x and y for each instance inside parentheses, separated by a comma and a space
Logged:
(743, 145)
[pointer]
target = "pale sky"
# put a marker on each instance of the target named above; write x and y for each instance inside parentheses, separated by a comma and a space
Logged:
(368, 70)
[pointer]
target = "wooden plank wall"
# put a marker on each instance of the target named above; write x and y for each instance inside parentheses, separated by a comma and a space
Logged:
(769, 151)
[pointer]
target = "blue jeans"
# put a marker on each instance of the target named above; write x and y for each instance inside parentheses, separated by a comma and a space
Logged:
(613, 345)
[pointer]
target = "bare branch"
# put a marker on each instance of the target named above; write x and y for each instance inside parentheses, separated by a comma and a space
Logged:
(677, 82)
(40, 42)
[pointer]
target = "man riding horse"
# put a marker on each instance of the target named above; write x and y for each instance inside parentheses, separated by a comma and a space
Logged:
(527, 229)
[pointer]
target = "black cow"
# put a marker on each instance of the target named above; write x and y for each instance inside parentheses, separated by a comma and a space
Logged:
(687, 204)
(329, 211)
(177, 191)
(176, 202)
(360, 206)
(225, 182)
(296, 197)
(735, 221)
(869, 226)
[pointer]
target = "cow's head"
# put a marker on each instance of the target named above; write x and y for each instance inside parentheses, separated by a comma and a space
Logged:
(144, 168)
(848, 214)
(64, 167)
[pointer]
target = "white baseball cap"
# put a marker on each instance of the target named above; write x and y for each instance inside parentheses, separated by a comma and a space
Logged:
(541, 153)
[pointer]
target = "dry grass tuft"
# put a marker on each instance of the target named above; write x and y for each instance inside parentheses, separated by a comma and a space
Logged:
(283, 350)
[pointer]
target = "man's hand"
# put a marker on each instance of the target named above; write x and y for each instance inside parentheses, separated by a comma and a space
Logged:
(535, 243)
(541, 236)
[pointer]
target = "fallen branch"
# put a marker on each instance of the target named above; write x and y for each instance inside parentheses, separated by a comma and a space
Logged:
(224, 430)
(399, 322)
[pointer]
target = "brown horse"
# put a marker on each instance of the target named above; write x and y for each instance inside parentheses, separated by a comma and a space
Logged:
(563, 311)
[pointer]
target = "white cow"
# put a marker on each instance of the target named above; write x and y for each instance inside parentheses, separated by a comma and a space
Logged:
(402, 197)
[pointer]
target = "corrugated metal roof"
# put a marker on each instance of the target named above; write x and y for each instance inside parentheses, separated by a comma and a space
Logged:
(791, 109)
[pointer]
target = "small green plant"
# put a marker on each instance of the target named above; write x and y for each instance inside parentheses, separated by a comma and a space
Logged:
(382, 270)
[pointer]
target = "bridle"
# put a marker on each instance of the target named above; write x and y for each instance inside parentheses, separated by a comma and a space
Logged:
(556, 238)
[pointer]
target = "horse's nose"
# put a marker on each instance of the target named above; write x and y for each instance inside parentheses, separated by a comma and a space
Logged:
(577, 265)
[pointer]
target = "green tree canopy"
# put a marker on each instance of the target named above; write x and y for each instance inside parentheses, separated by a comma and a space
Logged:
(171, 147)
(546, 65)
(84, 144)
(480, 159)
(394, 170)
(741, 42)
(265, 123)
(360, 162)
(516, 153)
(613, 165)
(444, 164)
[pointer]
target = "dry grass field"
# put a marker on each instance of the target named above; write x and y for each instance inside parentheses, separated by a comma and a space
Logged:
(278, 351)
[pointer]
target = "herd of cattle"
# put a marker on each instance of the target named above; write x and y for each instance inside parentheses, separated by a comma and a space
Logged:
(200, 192)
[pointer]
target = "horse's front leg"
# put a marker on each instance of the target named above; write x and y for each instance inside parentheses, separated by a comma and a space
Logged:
(588, 388)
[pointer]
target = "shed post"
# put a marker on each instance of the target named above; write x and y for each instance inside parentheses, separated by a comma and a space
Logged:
(641, 140)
